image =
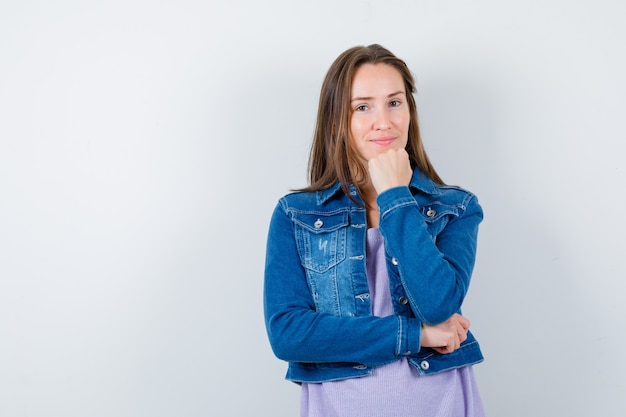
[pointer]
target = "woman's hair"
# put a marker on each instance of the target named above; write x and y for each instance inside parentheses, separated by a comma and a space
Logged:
(332, 158)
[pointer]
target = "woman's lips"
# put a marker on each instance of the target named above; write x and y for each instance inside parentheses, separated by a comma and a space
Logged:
(383, 141)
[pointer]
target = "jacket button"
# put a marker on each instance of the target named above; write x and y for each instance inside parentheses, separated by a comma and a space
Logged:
(431, 212)
(318, 223)
(403, 300)
(394, 261)
(424, 365)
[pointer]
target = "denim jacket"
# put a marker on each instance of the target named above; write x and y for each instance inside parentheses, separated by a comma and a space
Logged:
(316, 296)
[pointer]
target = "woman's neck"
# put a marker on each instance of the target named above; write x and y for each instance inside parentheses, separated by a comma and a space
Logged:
(368, 195)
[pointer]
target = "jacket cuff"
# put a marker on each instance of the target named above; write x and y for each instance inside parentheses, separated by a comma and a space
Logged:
(410, 340)
(393, 198)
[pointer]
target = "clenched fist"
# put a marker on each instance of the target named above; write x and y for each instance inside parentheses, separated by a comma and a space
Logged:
(390, 169)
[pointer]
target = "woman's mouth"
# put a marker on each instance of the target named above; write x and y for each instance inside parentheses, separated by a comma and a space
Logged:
(382, 141)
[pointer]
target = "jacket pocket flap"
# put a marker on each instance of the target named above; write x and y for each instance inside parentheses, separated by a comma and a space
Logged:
(321, 222)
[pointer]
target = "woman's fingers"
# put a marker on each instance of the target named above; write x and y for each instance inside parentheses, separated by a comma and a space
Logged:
(390, 169)
(446, 337)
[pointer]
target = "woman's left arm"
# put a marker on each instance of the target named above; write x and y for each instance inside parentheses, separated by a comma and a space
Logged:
(435, 271)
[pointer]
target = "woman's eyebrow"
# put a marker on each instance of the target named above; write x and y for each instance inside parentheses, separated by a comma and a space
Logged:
(369, 98)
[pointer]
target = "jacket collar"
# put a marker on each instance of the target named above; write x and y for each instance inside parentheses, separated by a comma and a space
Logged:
(419, 181)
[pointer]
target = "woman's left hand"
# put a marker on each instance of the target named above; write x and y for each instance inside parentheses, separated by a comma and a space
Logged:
(390, 169)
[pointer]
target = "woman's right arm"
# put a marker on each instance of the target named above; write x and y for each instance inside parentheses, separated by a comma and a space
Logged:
(298, 333)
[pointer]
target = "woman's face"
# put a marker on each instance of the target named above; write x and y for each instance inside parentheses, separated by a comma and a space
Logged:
(380, 114)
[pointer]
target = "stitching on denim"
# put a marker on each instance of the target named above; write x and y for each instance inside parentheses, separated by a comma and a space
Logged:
(317, 212)
(402, 204)
(399, 340)
(461, 347)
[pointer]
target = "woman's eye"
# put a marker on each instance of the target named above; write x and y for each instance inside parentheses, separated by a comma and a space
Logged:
(362, 107)
(395, 103)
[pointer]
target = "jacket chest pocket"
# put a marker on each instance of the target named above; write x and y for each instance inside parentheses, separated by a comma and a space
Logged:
(321, 239)
(437, 215)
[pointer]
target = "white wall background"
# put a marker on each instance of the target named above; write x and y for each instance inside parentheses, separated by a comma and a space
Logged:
(143, 146)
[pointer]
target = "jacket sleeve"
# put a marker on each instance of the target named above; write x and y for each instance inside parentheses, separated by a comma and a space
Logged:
(434, 271)
(297, 333)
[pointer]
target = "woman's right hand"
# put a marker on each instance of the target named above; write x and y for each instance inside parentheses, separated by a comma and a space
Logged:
(446, 337)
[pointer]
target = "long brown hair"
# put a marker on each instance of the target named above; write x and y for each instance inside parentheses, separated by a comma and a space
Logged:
(332, 158)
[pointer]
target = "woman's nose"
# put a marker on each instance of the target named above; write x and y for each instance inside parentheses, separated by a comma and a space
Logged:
(381, 120)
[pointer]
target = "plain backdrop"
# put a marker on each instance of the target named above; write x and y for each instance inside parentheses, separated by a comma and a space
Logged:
(144, 144)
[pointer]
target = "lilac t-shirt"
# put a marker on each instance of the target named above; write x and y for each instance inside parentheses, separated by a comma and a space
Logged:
(395, 389)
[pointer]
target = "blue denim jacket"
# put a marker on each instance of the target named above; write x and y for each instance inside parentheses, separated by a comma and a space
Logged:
(316, 297)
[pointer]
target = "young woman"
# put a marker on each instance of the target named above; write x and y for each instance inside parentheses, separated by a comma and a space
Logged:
(367, 267)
